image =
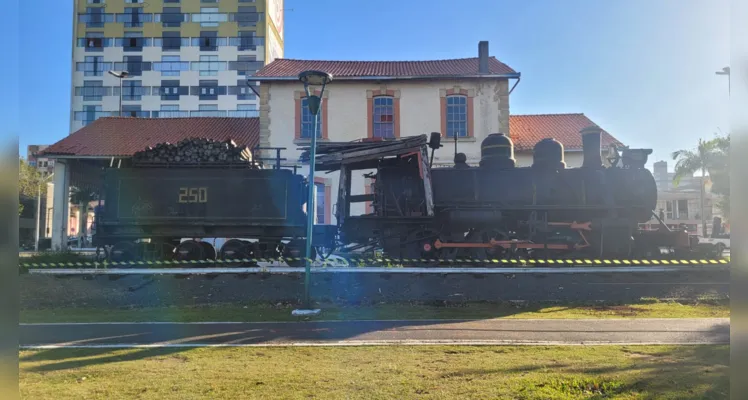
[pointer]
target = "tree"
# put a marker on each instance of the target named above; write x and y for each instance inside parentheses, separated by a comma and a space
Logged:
(81, 198)
(719, 172)
(30, 181)
(705, 158)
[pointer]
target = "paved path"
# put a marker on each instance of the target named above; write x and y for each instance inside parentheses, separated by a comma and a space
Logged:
(493, 331)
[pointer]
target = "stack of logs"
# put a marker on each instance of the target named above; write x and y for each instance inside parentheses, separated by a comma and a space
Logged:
(195, 151)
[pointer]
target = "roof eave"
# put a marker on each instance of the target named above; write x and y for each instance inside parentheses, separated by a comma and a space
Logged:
(514, 75)
(68, 156)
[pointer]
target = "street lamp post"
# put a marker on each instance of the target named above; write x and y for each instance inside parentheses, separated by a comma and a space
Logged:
(725, 71)
(120, 75)
(314, 81)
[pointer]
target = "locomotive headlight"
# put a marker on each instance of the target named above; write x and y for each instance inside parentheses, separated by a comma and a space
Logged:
(314, 86)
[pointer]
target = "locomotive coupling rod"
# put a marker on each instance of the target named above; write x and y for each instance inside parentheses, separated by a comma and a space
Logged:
(507, 244)
(583, 226)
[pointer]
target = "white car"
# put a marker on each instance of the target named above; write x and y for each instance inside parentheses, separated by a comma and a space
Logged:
(721, 242)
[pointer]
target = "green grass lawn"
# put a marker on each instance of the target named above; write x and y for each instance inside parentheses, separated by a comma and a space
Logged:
(282, 312)
(396, 372)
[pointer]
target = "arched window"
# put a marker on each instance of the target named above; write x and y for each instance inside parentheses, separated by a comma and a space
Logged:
(457, 116)
(307, 121)
(383, 116)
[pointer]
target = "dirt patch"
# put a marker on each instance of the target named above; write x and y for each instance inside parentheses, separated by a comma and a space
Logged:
(622, 310)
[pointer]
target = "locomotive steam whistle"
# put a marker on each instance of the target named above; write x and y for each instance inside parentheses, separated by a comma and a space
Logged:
(314, 83)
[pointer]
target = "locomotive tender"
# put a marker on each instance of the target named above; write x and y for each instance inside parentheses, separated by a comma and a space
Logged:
(494, 210)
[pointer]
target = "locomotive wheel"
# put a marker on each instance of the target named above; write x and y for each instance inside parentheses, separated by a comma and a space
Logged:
(296, 249)
(125, 252)
(237, 249)
(209, 252)
(190, 250)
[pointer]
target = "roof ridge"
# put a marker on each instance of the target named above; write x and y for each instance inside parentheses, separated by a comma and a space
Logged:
(545, 115)
(382, 61)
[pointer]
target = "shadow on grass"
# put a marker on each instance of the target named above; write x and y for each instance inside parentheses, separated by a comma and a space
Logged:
(682, 372)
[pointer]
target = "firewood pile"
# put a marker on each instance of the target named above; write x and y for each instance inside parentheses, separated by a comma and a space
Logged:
(195, 151)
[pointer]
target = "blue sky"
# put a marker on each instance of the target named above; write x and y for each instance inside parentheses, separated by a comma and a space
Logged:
(642, 70)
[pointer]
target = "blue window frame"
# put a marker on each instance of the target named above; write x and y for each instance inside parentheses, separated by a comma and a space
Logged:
(457, 116)
(384, 117)
(307, 121)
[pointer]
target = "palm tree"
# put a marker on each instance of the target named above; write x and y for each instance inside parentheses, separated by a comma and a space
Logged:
(689, 161)
(81, 198)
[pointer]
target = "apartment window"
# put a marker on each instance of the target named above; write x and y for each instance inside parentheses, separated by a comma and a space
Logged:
(89, 114)
(245, 65)
(384, 117)
(170, 90)
(134, 17)
(208, 41)
(92, 90)
(209, 66)
(133, 41)
(209, 17)
(95, 17)
(133, 111)
(94, 41)
(93, 66)
(208, 90)
(246, 16)
(171, 17)
(319, 215)
(134, 65)
(170, 111)
(171, 41)
(208, 110)
(246, 41)
(132, 90)
(457, 121)
(133, 1)
(171, 66)
(100, 1)
(307, 121)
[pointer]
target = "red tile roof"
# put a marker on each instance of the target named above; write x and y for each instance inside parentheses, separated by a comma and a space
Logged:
(289, 68)
(527, 130)
(124, 136)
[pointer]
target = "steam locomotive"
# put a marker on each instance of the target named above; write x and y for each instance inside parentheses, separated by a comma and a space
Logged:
(418, 212)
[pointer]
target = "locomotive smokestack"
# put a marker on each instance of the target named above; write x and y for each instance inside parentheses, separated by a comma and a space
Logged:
(591, 144)
(483, 57)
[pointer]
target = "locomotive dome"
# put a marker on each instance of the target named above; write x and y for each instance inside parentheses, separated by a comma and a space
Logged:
(497, 151)
(548, 153)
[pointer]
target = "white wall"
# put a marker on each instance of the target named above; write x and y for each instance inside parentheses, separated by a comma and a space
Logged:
(420, 113)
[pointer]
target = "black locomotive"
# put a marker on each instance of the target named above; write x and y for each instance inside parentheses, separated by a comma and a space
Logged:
(497, 210)
(418, 212)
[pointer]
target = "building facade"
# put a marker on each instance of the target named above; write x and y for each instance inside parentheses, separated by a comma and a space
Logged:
(44, 165)
(184, 58)
(680, 204)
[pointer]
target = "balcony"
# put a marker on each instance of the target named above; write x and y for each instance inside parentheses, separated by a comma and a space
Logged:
(170, 114)
(248, 43)
(243, 114)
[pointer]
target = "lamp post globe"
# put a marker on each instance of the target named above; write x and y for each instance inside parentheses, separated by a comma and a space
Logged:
(314, 86)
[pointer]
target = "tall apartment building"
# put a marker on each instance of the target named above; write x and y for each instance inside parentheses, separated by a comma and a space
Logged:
(184, 58)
